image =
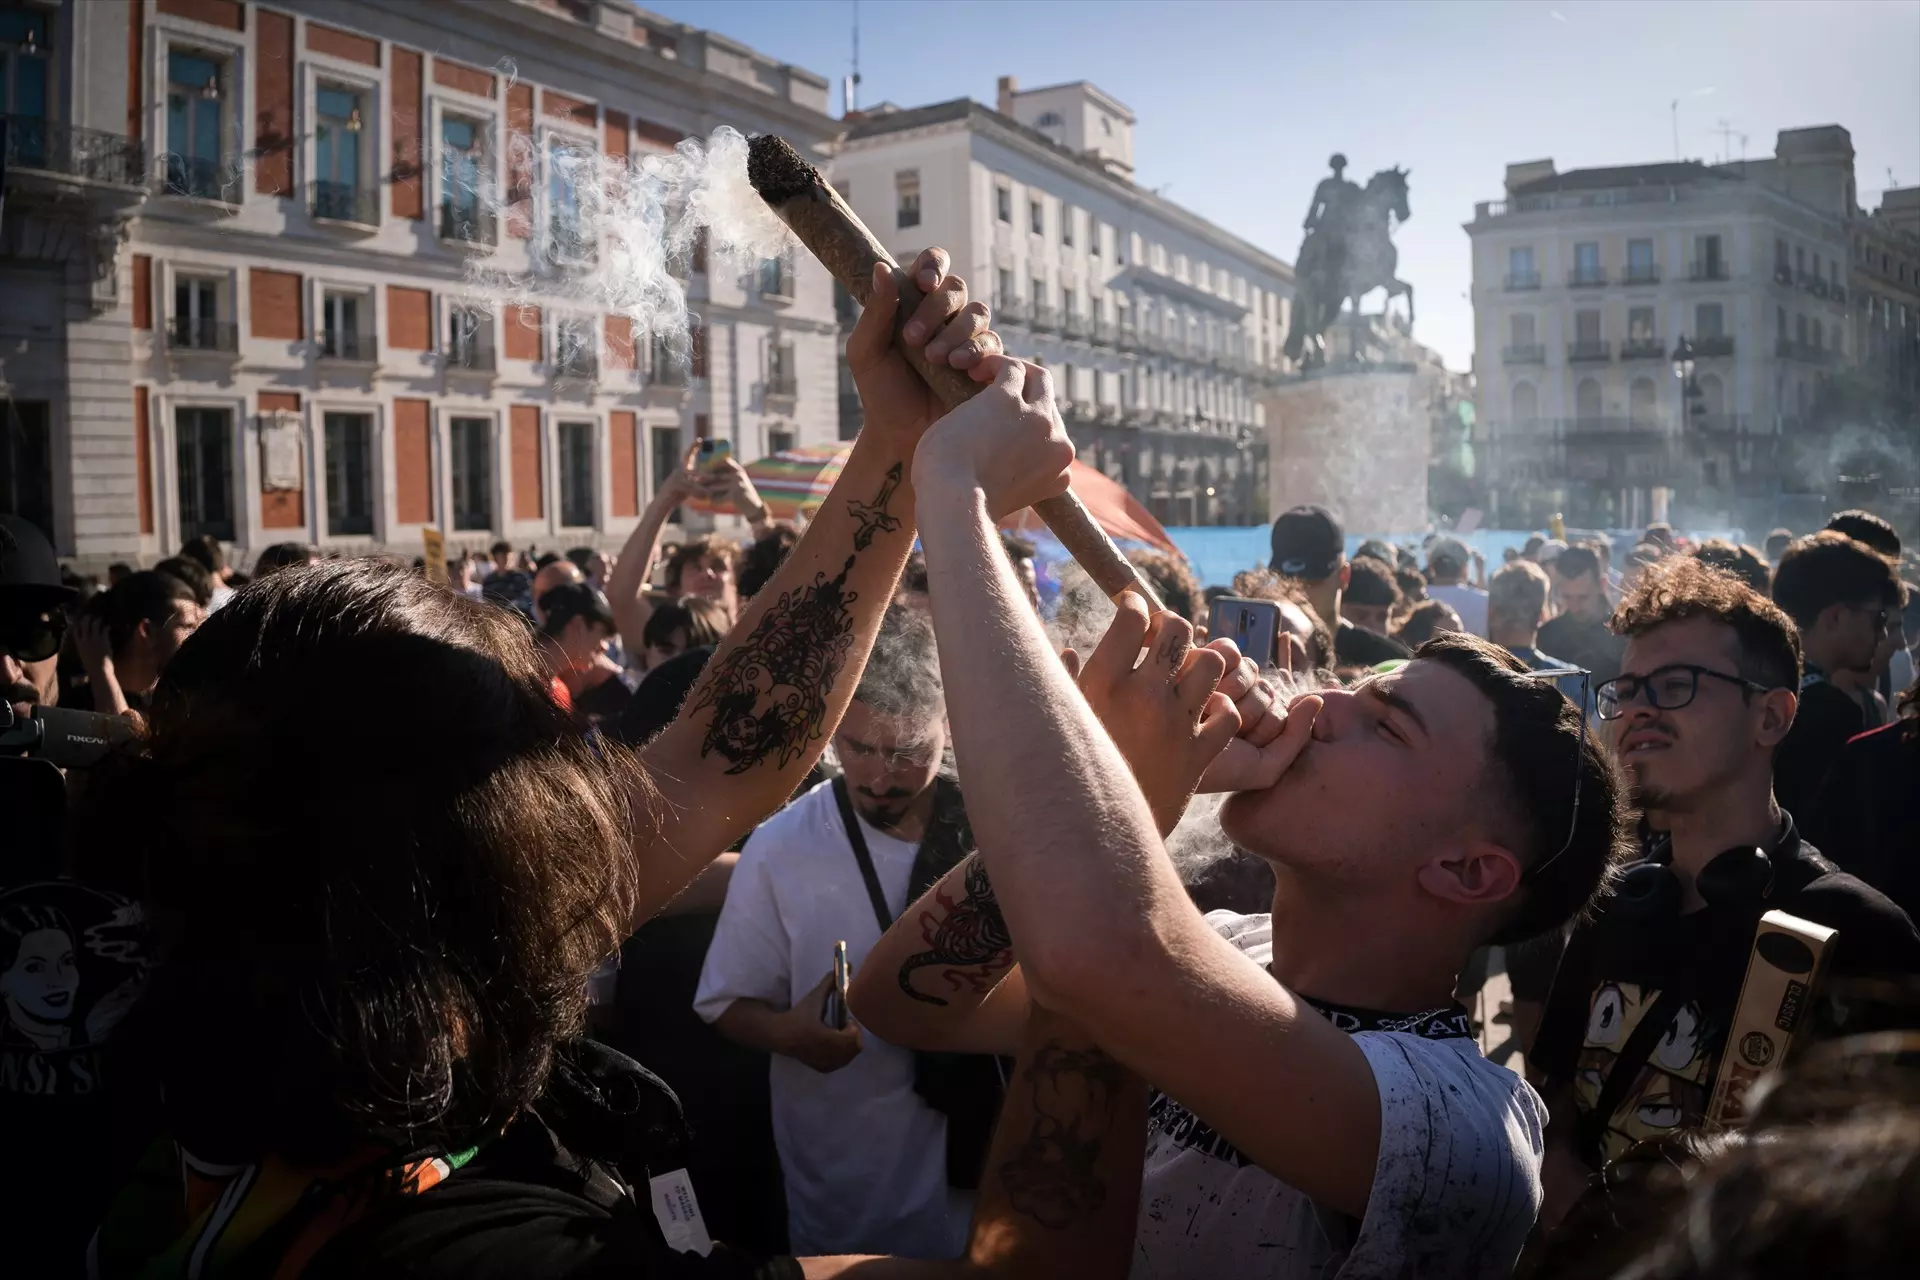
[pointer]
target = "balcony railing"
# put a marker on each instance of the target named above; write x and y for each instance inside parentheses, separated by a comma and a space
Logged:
(1642, 349)
(94, 154)
(467, 224)
(1586, 277)
(347, 344)
(1010, 311)
(472, 357)
(776, 279)
(569, 244)
(1526, 353)
(1102, 331)
(1586, 352)
(1520, 281)
(1710, 269)
(783, 382)
(666, 371)
(192, 333)
(1074, 324)
(1788, 349)
(1839, 292)
(1126, 336)
(1782, 273)
(578, 363)
(346, 202)
(1045, 317)
(199, 179)
(1641, 273)
(1720, 344)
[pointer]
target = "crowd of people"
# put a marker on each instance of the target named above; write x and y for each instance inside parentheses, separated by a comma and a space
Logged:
(805, 907)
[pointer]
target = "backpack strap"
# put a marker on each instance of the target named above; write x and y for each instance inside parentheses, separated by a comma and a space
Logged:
(858, 840)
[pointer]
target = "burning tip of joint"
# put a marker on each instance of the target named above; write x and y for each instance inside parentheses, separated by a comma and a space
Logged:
(776, 170)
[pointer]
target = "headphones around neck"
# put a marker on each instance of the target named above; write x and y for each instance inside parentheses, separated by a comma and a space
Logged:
(1741, 876)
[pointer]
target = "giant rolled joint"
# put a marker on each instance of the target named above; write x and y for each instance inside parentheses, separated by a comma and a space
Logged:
(833, 233)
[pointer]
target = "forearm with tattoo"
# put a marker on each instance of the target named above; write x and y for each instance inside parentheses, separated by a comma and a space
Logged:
(1054, 1176)
(968, 946)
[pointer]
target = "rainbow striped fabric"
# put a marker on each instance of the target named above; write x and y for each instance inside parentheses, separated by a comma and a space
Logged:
(793, 483)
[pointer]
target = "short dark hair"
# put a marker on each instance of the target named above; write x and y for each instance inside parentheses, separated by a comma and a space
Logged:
(412, 959)
(1864, 526)
(1017, 547)
(206, 549)
(147, 596)
(1683, 587)
(1517, 593)
(1743, 562)
(1412, 583)
(760, 561)
(1538, 743)
(546, 558)
(1447, 558)
(902, 675)
(191, 572)
(708, 546)
(282, 555)
(1179, 590)
(1577, 561)
(502, 547)
(1777, 541)
(1828, 568)
(1424, 622)
(703, 621)
(1371, 582)
(580, 556)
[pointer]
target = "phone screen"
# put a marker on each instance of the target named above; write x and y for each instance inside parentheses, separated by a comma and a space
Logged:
(835, 1013)
(1253, 625)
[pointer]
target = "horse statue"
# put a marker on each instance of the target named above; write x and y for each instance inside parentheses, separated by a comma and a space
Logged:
(1348, 253)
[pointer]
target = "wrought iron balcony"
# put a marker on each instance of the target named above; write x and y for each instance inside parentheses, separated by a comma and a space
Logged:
(1838, 292)
(348, 344)
(1126, 336)
(472, 357)
(50, 146)
(199, 179)
(1102, 331)
(193, 333)
(1526, 353)
(783, 382)
(776, 280)
(1010, 310)
(1782, 273)
(1045, 317)
(1641, 273)
(1720, 344)
(1589, 352)
(1788, 349)
(1520, 281)
(1710, 269)
(1074, 324)
(1642, 349)
(579, 363)
(346, 202)
(666, 371)
(467, 224)
(1586, 277)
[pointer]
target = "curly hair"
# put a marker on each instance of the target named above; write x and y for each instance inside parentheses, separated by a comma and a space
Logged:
(1682, 587)
(1179, 589)
(393, 957)
(1743, 562)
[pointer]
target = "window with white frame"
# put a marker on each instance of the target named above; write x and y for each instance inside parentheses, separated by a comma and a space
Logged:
(906, 191)
(466, 176)
(196, 158)
(195, 323)
(349, 461)
(1003, 203)
(1067, 214)
(343, 186)
(576, 474)
(1036, 217)
(346, 325)
(575, 348)
(470, 337)
(470, 441)
(783, 378)
(571, 172)
(24, 54)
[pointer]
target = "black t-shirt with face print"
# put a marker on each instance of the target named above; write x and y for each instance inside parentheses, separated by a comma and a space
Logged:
(1616, 967)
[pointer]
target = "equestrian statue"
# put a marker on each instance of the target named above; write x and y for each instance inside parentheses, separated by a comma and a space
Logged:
(1348, 253)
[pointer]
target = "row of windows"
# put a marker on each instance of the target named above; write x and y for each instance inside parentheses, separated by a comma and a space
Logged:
(1642, 407)
(1641, 266)
(1905, 270)
(1643, 336)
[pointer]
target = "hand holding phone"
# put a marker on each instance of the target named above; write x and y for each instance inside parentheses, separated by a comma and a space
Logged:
(1252, 625)
(833, 1010)
(714, 454)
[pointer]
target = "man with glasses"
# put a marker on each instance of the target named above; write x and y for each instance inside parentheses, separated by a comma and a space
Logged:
(33, 618)
(1840, 593)
(863, 1154)
(1634, 1029)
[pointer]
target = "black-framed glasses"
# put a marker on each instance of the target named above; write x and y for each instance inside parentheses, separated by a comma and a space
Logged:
(1557, 674)
(1667, 688)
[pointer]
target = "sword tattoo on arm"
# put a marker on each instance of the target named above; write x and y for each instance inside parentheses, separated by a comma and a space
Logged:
(874, 516)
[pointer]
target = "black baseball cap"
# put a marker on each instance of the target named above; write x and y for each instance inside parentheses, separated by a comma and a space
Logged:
(29, 571)
(1308, 543)
(570, 600)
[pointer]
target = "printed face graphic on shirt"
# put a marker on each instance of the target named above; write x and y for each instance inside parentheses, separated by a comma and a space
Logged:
(1670, 1091)
(40, 985)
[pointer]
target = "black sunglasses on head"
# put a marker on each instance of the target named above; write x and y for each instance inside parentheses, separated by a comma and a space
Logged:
(33, 637)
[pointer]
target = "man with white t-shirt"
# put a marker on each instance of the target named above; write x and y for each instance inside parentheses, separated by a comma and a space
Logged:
(863, 1154)
(1321, 1107)
(1447, 581)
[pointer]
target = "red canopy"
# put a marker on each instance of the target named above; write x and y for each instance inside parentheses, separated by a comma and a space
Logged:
(1112, 507)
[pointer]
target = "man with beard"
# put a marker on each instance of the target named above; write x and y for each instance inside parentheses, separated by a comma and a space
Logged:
(1635, 1026)
(864, 1155)
(1579, 635)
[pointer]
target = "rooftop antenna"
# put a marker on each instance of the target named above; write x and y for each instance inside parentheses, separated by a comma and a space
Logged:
(853, 98)
(1726, 141)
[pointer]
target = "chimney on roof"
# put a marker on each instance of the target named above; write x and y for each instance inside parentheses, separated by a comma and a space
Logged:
(1003, 102)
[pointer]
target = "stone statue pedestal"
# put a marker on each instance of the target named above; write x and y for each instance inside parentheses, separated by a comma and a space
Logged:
(1353, 438)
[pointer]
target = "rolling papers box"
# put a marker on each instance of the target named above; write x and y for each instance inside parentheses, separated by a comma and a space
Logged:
(1789, 958)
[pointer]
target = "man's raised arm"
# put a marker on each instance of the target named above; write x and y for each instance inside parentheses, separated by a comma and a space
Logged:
(763, 709)
(1103, 930)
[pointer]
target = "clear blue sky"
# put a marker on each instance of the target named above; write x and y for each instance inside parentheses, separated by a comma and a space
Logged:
(1240, 104)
